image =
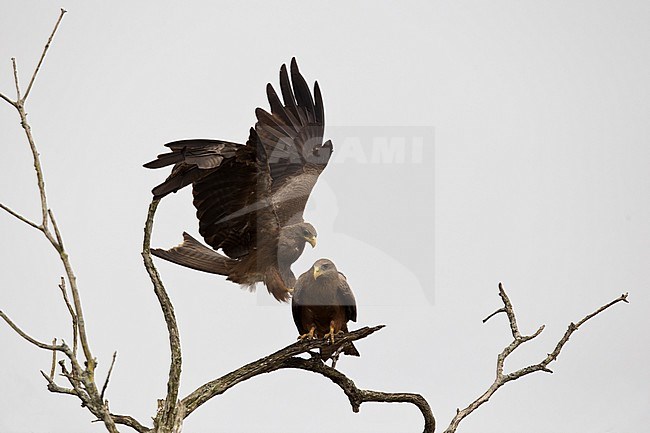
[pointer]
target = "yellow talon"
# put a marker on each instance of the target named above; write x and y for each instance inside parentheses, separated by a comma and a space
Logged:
(330, 334)
(309, 335)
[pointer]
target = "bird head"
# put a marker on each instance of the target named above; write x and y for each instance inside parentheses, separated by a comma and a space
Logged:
(323, 268)
(309, 234)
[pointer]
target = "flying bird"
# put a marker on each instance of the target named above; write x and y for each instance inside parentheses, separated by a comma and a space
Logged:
(250, 198)
(322, 304)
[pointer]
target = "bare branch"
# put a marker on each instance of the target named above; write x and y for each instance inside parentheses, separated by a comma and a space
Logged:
(73, 316)
(168, 414)
(61, 348)
(358, 396)
(15, 68)
(108, 376)
(53, 367)
(20, 217)
(129, 421)
(40, 61)
(266, 365)
(501, 378)
(288, 358)
(500, 310)
(59, 239)
(510, 312)
(53, 387)
(7, 100)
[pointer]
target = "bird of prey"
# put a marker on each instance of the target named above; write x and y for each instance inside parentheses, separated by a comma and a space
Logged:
(250, 197)
(322, 305)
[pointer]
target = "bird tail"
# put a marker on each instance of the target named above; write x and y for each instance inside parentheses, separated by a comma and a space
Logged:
(193, 254)
(326, 352)
(351, 350)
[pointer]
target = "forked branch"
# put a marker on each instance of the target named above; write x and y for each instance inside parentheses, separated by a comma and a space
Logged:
(518, 339)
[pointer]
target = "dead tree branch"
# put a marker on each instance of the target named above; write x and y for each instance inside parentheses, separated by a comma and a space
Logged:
(171, 408)
(288, 358)
(518, 339)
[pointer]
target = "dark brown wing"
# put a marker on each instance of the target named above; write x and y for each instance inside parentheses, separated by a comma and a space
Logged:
(232, 204)
(292, 136)
(192, 159)
(231, 184)
(346, 298)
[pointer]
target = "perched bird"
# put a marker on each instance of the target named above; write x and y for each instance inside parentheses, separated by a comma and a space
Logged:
(323, 303)
(250, 198)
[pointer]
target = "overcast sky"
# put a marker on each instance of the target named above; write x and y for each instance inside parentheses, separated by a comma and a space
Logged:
(475, 142)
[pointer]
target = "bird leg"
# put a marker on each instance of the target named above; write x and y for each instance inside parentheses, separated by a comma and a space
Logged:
(309, 335)
(330, 334)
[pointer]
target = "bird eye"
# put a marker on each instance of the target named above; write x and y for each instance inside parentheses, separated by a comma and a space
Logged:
(325, 266)
(305, 233)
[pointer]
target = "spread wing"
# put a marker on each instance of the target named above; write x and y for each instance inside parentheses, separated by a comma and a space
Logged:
(292, 137)
(245, 193)
(192, 159)
(346, 298)
(231, 188)
(232, 202)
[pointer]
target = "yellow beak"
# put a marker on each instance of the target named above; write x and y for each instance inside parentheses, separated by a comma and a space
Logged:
(311, 240)
(317, 272)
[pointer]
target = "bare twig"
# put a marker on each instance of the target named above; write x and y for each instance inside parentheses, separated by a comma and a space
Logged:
(40, 344)
(15, 68)
(500, 310)
(73, 316)
(129, 421)
(108, 376)
(53, 367)
(53, 387)
(59, 239)
(170, 410)
(40, 61)
(502, 378)
(7, 100)
(20, 217)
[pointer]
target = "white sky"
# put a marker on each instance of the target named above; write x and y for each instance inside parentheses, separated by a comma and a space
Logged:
(534, 172)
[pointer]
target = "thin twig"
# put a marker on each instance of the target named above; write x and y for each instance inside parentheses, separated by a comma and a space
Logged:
(510, 312)
(61, 348)
(108, 376)
(59, 239)
(20, 217)
(15, 68)
(500, 310)
(53, 367)
(9, 101)
(129, 421)
(73, 316)
(40, 61)
(53, 387)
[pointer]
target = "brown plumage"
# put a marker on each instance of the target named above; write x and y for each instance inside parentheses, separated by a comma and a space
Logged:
(250, 198)
(323, 303)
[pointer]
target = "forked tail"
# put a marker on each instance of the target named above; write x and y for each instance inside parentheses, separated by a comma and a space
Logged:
(193, 254)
